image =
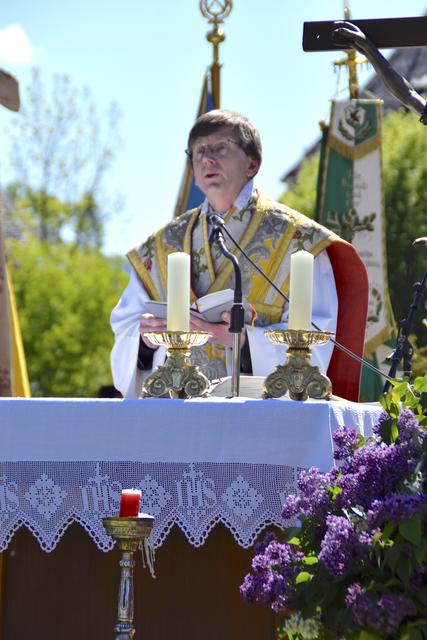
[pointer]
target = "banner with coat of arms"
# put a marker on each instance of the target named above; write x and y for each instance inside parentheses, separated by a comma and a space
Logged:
(350, 202)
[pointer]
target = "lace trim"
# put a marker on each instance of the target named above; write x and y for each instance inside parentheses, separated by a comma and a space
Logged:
(46, 497)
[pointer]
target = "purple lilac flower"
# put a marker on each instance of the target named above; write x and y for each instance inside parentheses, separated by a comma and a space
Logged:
(381, 418)
(408, 428)
(407, 424)
(384, 615)
(366, 538)
(395, 507)
(394, 609)
(261, 546)
(314, 495)
(291, 507)
(359, 603)
(273, 575)
(346, 441)
(374, 471)
(340, 547)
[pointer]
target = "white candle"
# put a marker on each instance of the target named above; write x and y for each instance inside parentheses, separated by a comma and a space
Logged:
(301, 291)
(178, 317)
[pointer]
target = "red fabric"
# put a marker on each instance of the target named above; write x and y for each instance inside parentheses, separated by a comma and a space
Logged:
(351, 280)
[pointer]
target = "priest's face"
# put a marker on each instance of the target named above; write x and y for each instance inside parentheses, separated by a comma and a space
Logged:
(221, 168)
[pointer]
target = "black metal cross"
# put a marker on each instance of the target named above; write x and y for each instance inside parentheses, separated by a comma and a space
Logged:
(383, 33)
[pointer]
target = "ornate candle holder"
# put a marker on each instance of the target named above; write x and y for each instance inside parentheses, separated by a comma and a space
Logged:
(177, 377)
(297, 376)
(129, 533)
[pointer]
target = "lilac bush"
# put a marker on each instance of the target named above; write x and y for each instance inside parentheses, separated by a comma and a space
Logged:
(356, 567)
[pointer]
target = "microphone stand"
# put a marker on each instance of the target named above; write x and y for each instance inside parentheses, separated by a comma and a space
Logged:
(404, 348)
(237, 311)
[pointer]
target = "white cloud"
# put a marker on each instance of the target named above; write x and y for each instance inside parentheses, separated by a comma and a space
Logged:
(15, 45)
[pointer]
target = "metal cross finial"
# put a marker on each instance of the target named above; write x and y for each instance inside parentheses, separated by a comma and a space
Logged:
(216, 11)
(351, 62)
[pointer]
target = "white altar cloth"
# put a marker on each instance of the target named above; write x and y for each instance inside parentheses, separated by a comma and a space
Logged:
(198, 462)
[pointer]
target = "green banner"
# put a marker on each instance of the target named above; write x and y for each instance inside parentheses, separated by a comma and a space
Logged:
(350, 202)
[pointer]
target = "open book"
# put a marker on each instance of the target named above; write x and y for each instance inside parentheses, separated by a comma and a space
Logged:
(208, 307)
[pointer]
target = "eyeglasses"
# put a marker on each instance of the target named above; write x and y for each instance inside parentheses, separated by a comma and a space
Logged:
(220, 149)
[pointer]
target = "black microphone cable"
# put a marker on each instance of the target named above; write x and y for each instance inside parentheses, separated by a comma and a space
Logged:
(218, 221)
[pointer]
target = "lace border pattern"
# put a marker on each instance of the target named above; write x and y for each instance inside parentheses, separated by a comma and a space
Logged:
(46, 497)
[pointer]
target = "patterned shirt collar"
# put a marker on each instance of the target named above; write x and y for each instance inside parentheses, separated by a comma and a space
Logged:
(241, 200)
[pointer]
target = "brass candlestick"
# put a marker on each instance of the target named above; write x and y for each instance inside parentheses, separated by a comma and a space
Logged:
(129, 533)
(177, 378)
(297, 376)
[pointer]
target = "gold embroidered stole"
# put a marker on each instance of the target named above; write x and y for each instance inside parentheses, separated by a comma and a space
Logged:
(268, 231)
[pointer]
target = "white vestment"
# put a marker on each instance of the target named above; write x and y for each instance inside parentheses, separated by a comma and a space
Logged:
(265, 356)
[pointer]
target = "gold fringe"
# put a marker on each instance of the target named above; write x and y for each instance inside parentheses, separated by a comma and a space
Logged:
(354, 153)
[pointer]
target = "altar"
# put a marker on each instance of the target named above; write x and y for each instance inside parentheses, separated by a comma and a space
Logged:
(213, 473)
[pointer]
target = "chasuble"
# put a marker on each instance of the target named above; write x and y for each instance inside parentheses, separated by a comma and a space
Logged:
(269, 232)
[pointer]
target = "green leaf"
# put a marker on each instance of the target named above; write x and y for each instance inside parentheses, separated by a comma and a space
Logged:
(388, 530)
(411, 529)
(403, 569)
(420, 384)
(420, 552)
(295, 541)
(400, 390)
(309, 560)
(377, 536)
(303, 576)
(393, 582)
(392, 556)
(386, 430)
(389, 405)
(415, 634)
(334, 491)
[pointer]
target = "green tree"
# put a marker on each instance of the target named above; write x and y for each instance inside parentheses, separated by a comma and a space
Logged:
(56, 206)
(61, 151)
(302, 195)
(405, 189)
(405, 201)
(65, 296)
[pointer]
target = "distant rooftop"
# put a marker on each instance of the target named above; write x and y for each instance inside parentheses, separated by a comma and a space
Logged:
(411, 63)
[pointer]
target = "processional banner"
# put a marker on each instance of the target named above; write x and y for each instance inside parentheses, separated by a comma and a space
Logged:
(350, 202)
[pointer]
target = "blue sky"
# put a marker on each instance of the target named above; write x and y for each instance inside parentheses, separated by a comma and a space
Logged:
(150, 58)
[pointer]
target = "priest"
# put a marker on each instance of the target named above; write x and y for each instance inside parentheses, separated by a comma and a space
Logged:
(225, 151)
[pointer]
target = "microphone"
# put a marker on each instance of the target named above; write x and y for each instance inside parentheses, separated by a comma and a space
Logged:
(237, 320)
(217, 224)
(215, 219)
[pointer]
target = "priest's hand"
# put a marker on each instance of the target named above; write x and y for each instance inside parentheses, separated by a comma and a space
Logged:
(219, 330)
(148, 323)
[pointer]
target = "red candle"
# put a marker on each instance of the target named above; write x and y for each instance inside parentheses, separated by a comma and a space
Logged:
(130, 500)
